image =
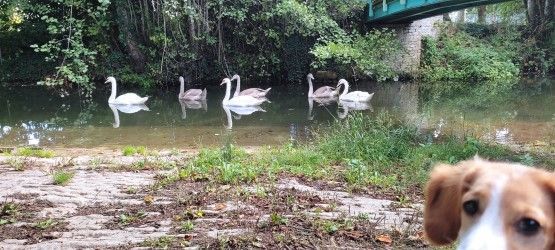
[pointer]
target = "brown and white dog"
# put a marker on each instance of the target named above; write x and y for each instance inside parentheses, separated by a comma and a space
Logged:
(490, 205)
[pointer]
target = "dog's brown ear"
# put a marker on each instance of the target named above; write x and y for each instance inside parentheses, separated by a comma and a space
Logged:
(442, 209)
(549, 182)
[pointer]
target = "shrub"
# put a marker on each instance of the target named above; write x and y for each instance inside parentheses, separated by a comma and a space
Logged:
(369, 55)
(461, 57)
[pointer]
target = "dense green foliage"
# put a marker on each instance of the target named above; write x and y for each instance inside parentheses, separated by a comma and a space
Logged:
(478, 52)
(149, 42)
(369, 55)
(75, 43)
(457, 55)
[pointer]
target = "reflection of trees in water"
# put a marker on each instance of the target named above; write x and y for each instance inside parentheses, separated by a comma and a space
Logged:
(403, 99)
(4, 131)
(30, 133)
(502, 115)
(86, 114)
(40, 132)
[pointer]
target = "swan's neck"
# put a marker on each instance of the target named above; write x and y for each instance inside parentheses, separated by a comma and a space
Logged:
(114, 89)
(116, 115)
(229, 120)
(310, 88)
(346, 89)
(183, 110)
(238, 89)
(310, 106)
(227, 92)
(181, 86)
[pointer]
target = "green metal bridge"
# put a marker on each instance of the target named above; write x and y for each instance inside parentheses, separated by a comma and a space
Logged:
(403, 11)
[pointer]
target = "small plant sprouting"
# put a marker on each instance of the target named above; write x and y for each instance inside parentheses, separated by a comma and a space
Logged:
(192, 214)
(7, 213)
(163, 242)
(363, 216)
(17, 164)
(132, 150)
(62, 177)
(277, 219)
(45, 224)
(127, 218)
(9, 209)
(330, 227)
(187, 226)
(131, 190)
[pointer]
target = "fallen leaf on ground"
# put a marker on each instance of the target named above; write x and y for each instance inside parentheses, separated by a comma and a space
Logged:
(149, 199)
(384, 238)
(220, 206)
(355, 234)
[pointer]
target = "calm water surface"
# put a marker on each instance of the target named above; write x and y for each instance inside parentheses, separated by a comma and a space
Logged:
(34, 116)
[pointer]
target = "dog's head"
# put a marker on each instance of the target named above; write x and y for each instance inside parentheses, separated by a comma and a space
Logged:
(490, 205)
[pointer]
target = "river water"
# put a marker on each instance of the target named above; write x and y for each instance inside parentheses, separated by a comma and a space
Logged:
(35, 116)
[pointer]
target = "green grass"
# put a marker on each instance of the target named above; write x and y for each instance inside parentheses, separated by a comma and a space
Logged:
(8, 211)
(187, 226)
(278, 219)
(163, 242)
(134, 150)
(34, 152)
(362, 151)
(127, 218)
(45, 224)
(62, 177)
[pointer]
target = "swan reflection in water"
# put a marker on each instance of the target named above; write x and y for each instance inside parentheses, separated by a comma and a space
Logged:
(322, 101)
(190, 104)
(350, 106)
(238, 112)
(128, 109)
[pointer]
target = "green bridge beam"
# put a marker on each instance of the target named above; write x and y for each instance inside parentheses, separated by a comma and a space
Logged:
(399, 11)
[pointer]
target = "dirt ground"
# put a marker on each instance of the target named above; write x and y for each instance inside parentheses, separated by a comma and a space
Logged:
(111, 203)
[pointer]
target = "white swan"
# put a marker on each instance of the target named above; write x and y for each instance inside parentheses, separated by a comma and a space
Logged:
(238, 101)
(128, 98)
(240, 111)
(254, 92)
(129, 109)
(355, 96)
(190, 94)
(348, 106)
(188, 104)
(322, 101)
(322, 92)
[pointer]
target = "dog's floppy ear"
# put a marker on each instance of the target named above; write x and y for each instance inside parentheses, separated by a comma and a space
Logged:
(442, 209)
(549, 182)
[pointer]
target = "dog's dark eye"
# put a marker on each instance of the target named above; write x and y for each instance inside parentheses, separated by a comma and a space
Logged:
(528, 226)
(471, 207)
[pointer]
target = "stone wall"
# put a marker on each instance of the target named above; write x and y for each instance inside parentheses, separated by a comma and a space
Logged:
(410, 35)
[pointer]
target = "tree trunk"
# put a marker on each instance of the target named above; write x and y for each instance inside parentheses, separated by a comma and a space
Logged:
(482, 14)
(549, 11)
(533, 15)
(131, 45)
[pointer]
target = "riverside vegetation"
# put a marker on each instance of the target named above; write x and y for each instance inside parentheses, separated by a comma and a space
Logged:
(71, 44)
(379, 152)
